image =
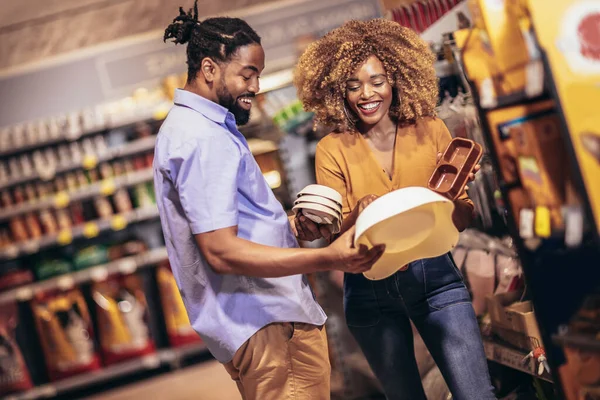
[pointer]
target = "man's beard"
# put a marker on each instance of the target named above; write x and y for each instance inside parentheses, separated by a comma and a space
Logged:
(226, 100)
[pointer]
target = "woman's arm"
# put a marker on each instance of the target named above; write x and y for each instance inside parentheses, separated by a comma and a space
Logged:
(463, 205)
(329, 173)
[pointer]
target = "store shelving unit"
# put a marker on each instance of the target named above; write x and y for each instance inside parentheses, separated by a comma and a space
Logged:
(88, 162)
(149, 112)
(87, 230)
(169, 358)
(103, 188)
(513, 358)
(124, 265)
(559, 276)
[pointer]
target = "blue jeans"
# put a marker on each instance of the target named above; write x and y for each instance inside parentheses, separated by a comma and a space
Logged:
(432, 294)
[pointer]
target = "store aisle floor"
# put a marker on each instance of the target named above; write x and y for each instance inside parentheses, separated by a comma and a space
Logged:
(205, 381)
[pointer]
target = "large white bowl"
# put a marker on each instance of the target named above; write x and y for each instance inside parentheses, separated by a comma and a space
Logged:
(414, 223)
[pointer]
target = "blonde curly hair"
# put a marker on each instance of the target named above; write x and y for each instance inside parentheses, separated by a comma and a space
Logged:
(322, 71)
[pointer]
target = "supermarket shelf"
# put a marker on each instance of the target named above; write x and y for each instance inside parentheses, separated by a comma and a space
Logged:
(97, 273)
(447, 23)
(134, 147)
(512, 358)
(577, 341)
(105, 187)
(151, 113)
(87, 230)
(260, 146)
(147, 363)
(590, 392)
(277, 80)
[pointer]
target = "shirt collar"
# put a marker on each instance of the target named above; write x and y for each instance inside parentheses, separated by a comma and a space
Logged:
(208, 108)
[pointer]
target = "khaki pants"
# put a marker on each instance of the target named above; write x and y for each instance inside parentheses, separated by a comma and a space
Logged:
(283, 361)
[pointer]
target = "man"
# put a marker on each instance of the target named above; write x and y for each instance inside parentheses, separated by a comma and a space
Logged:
(230, 243)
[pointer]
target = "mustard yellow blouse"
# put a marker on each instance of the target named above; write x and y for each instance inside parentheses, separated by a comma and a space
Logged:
(345, 162)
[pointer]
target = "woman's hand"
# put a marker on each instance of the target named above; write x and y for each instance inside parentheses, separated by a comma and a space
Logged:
(350, 220)
(471, 175)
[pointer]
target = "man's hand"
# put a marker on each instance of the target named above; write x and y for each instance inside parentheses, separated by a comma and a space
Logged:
(345, 257)
(471, 175)
(306, 230)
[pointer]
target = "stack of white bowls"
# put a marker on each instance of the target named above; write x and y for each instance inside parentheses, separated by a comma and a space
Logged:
(322, 205)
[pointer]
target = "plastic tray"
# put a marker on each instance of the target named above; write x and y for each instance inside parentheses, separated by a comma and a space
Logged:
(452, 172)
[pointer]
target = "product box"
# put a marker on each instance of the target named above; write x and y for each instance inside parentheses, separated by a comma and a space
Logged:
(65, 329)
(122, 314)
(513, 321)
(14, 375)
(179, 329)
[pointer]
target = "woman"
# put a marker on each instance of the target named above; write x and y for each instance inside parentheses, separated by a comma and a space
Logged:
(374, 83)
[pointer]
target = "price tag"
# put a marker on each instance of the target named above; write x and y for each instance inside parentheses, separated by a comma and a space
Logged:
(118, 223)
(65, 282)
(487, 94)
(90, 161)
(160, 113)
(64, 237)
(168, 356)
(146, 213)
(47, 391)
(91, 230)
(30, 247)
(61, 200)
(108, 187)
(489, 350)
(47, 173)
(24, 294)
(11, 251)
(526, 219)
(574, 226)
(127, 266)
(534, 85)
(99, 274)
(543, 225)
(150, 362)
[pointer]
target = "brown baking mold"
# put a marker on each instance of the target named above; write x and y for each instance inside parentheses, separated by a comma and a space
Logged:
(452, 171)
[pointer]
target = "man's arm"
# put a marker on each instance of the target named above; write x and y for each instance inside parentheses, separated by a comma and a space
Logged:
(206, 179)
(228, 254)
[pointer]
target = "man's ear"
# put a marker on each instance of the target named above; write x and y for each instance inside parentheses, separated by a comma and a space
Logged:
(210, 70)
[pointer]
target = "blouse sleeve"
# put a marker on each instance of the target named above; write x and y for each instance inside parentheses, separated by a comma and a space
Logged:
(329, 173)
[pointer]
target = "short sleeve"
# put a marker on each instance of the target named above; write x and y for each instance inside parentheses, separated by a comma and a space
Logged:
(205, 173)
(329, 173)
(444, 139)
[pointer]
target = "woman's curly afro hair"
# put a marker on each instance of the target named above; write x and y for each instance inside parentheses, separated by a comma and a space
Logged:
(327, 64)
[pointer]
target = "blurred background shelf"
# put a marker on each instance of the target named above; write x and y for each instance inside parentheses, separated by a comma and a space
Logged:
(171, 358)
(125, 265)
(87, 230)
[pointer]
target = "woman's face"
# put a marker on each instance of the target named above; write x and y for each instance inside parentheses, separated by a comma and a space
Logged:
(368, 92)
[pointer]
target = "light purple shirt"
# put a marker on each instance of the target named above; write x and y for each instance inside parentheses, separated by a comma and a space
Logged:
(205, 179)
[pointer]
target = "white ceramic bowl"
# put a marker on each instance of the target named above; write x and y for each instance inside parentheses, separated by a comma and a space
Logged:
(322, 191)
(319, 200)
(317, 213)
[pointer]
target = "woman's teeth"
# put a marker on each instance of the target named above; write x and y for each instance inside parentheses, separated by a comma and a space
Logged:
(369, 106)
